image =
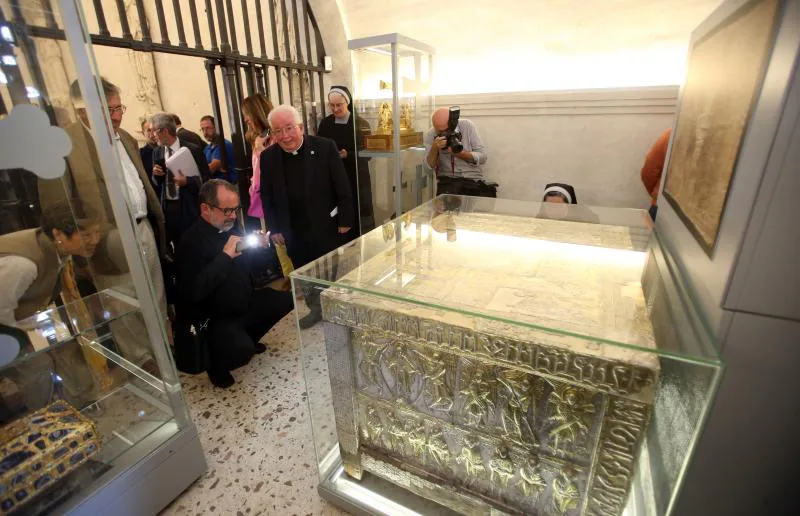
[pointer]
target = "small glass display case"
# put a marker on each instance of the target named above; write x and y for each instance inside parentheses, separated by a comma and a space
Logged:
(393, 103)
(92, 417)
(486, 356)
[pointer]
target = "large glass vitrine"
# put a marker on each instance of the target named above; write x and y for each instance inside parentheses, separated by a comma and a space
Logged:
(92, 418)
(393, 103)
(487, 356)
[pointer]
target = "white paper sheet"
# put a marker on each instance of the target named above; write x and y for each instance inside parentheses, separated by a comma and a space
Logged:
(182, 162)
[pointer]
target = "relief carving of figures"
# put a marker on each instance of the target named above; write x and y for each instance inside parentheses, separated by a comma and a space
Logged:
(398, 434)
(530, 482)
(370, 364)
(404, 363)
(500, 466)
(374, 431)
(570, 410)
(565, 493)
(470, 458)
(415, 429)
(437, 388)
(517, 389)
(437, 448)
(477, 392)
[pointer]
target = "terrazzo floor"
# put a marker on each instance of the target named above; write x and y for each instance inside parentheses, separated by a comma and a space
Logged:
(257, 436)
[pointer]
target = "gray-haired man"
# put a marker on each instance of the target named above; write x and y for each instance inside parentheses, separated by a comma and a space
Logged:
(178, 193)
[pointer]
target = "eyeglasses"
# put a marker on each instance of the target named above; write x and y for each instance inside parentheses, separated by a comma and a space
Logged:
(336, 106)
(118, 109)
(277, 133)
(227, 211)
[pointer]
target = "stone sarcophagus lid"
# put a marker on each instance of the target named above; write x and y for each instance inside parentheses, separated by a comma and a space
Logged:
(497, 365)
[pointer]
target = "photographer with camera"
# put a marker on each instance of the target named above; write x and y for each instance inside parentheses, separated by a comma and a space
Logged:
(455, 151)
(217, 293)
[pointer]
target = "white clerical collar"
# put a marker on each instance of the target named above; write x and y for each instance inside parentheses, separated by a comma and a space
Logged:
(342, 120)
(297, 150)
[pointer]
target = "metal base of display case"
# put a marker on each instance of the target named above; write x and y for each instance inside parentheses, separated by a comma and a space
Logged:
(144, 480)
(374, 495)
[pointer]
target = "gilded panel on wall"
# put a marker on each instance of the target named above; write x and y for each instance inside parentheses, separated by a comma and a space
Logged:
(726, 68)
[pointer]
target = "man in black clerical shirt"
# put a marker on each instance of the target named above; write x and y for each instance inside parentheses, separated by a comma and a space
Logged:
(217, 292)
(308, 203)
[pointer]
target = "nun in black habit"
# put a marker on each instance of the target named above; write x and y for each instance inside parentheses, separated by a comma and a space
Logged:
(561, 203)
(338, 126)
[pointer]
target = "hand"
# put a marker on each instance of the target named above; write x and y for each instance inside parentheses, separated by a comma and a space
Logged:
(343, 153)
(440, 142)
(230, 246)
(278, 238)
(342, 230)
(465, 155)
(263, 238)
(158, 171)
(180, 179)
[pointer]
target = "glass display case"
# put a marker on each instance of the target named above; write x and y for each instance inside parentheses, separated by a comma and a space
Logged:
(92, 416)
(487, 356)
(392, 101)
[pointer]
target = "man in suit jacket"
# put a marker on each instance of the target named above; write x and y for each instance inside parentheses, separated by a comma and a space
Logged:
(179, 193)
(186, 135)
(306, 195)
(84, 179)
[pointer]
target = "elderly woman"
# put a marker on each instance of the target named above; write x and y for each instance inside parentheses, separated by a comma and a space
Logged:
(339, 127)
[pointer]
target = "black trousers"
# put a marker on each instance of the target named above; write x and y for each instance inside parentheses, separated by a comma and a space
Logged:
(231, 341)
(303, 252)
(464, 186)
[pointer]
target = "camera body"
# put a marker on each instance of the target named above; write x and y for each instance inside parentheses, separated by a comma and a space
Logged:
(452, 135)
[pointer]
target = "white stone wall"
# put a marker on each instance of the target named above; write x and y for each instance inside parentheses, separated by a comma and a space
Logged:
(595, 140)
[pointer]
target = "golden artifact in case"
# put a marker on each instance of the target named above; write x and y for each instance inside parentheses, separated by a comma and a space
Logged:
(383, 138)
(497, 362)
(41, 448)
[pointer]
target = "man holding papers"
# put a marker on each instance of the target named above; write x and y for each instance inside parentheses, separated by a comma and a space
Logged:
(177, 177)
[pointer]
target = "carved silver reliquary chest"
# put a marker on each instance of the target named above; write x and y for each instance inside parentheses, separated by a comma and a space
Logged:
(480, 368)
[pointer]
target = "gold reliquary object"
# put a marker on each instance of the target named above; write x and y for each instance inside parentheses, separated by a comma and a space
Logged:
(383, 137)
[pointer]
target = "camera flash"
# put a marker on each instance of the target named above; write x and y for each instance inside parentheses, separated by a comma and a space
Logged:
(251, 240)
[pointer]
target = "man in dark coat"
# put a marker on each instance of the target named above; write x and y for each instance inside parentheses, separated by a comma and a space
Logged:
(187, 135)
(178, 193)
(216, 286)
(308, 203)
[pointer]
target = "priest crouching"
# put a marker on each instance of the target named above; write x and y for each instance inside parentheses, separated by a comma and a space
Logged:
(217, 294)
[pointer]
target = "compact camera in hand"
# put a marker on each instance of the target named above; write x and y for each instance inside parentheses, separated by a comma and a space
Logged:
(452, 135)
(251, 241)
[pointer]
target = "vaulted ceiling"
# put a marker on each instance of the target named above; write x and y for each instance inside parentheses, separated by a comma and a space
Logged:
(512, 45)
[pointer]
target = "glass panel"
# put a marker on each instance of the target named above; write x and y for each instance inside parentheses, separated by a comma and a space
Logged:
(83, 348)
(374, 104)
(523, 357)
(52, 328)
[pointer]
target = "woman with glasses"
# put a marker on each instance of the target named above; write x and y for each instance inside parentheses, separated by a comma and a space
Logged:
(339, 127)
(37, 270)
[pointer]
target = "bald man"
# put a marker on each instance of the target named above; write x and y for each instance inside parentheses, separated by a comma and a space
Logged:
(457, 173)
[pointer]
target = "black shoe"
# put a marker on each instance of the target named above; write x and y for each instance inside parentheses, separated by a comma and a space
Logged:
(260, 348)
(223, 379)
(310, 319)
